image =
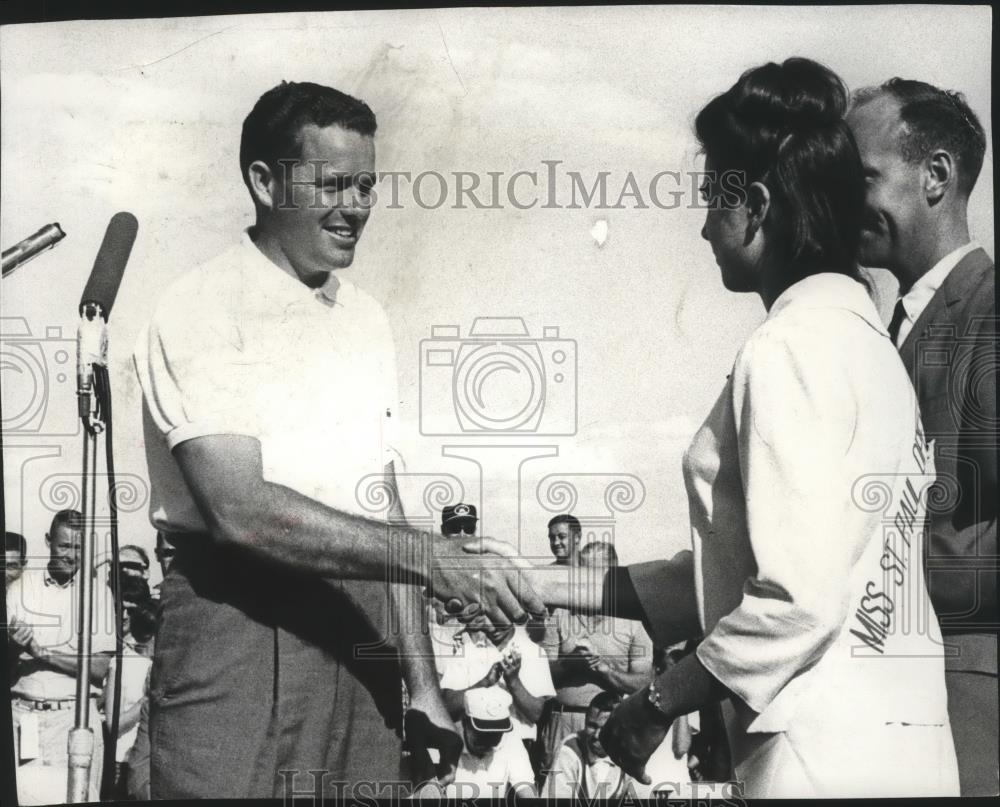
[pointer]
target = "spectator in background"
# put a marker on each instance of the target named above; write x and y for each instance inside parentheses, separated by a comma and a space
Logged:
(582, 768)
(43, 607)
(164, 552)
(504, 657)
(15, 555)
(136, 663)
(590, 654)
(134, 560)
(445, 629)
(494, 763)
(564, 539)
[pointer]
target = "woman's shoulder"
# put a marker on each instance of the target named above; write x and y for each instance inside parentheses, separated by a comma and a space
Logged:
(830, 336)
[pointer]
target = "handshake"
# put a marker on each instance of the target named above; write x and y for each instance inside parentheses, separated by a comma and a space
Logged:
(485, 581)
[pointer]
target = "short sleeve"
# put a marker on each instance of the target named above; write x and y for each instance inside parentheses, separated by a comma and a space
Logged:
(195, 374)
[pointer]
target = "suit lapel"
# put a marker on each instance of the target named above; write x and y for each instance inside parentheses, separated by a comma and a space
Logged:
(960, 282)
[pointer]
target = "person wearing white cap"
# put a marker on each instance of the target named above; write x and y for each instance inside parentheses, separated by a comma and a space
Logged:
(494, 760)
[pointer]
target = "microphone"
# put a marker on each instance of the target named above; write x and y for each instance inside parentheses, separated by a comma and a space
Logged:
(106, 277)
(21, 253)
(95, 308)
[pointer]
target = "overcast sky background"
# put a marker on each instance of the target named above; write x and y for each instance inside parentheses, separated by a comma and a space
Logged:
(145, 116)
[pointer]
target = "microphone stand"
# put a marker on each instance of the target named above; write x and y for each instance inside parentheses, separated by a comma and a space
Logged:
(94, 404)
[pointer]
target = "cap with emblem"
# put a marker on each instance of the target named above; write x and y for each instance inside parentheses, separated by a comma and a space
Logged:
(488, 709)
(459, 518)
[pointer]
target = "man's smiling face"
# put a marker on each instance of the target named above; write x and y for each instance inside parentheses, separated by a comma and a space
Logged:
(323, 200)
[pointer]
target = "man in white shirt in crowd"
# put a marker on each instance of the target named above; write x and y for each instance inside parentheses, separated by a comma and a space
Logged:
(15, 554)
(582, 768)
(457, 520)
(494, 763)
(565, 534)
(501, 656)
(269, 388)
(922, 149)
(43, 610)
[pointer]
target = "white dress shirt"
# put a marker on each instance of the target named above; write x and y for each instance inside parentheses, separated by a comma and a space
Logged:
(917, 298)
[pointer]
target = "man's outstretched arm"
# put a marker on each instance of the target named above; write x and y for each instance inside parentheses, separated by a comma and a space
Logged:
(240, 508)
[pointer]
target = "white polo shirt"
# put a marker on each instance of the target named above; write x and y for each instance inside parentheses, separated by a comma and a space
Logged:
(239, 346)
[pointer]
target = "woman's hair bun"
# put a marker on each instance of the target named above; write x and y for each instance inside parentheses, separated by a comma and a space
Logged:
(798, 94)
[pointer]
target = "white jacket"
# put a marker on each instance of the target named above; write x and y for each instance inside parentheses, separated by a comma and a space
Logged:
(807, 486)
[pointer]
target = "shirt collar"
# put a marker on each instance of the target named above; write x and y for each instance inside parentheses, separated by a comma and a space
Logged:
(51, 581)
(928, 284)
(829, 290)
(286, 287)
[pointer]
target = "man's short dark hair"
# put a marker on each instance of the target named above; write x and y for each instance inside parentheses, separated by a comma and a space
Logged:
(15, 541)
(67, 518)
(605, 701)
(272, 130)
(934, 119)
(566, 518)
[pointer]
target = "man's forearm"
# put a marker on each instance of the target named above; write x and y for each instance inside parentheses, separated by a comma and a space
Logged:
(530, 705)
(65, 663)
(285, 527)
(415, 649)
(626, 682)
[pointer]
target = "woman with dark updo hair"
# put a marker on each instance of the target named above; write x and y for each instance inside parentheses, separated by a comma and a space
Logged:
(808, 481)
(807, 487)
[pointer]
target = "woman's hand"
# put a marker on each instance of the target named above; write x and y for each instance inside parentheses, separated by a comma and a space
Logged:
(633, 732)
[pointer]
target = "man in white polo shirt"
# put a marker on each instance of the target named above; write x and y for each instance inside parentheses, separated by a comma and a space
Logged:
(269, 391)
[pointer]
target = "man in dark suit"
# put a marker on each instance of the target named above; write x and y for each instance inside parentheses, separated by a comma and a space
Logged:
(922, 150)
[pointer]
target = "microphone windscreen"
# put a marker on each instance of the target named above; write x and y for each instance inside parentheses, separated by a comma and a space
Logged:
(109, 266)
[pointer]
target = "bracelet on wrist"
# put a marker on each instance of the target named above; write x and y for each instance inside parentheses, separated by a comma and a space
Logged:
(654, 697)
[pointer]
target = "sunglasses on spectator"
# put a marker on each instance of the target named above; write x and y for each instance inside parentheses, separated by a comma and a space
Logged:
(132, 566)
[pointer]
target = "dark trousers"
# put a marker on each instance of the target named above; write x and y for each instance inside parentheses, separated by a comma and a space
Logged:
(974, 714)
(259, 677)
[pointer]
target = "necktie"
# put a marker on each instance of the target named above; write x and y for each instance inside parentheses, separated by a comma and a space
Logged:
(898, 315)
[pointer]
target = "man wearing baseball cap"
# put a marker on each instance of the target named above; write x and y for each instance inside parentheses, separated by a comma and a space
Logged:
(494, 760)
(459, 518)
